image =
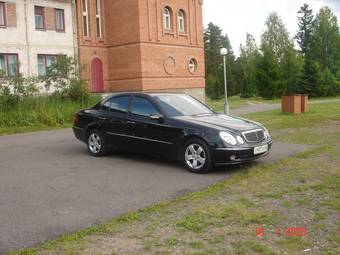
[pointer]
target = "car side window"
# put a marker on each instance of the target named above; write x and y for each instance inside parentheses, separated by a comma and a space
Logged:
(143, 107)
(117, 104)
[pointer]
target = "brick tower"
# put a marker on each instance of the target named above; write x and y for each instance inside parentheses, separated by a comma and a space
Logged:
(142, 45)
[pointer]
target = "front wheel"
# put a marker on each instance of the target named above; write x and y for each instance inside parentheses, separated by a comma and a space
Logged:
(96, 143)
(196, 156)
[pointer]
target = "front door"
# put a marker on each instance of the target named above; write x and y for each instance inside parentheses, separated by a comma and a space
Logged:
(150, 135)
(97, 76)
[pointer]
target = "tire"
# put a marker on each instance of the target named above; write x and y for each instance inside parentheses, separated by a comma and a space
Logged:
(196, 156)
(96, 143)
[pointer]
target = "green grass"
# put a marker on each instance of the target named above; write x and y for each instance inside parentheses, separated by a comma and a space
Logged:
(237, 102)
(299, 191)
(40, 113)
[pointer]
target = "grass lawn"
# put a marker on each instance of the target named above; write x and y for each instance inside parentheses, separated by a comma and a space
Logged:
(237, 102)
(302, 191)
(40, 113)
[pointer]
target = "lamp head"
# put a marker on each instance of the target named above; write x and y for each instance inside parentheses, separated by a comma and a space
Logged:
(224, 51)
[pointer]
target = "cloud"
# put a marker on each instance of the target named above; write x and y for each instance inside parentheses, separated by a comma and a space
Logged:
(334, 4)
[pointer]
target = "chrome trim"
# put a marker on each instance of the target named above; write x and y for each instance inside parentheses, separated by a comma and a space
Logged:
(78, 128)
(140, 138)
(234, 149)
(243, 148)
(252, 131)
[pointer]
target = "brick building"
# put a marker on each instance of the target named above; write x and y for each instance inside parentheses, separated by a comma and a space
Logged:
(142, 45)
(33, 33)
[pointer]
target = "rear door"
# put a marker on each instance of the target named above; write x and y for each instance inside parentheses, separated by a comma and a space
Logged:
(116, 128)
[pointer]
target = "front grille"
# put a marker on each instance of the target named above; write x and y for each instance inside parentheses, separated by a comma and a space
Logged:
(254, 136)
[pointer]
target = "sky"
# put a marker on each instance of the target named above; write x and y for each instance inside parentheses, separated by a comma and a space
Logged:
(238, 17)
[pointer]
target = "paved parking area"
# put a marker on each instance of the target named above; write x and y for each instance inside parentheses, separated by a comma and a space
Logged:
(49, 185)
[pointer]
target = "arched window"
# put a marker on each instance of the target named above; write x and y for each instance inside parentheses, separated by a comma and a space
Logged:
(167, 18)
(181, 21)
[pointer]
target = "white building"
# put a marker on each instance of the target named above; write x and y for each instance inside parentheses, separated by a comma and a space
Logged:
(33, 32)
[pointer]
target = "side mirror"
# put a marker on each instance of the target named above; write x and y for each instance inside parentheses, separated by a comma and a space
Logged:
(157, 116)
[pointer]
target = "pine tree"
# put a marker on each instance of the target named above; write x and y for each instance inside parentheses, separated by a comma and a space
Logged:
(305, 32)
(268, 75)
(311, 75)
(230, 60)
(214, 41)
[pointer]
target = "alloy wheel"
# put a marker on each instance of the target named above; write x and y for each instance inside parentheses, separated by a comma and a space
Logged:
(95, 143)
(195, 156)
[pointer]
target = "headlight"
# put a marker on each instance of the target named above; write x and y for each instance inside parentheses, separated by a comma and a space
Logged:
(266, 133)
(228, 138)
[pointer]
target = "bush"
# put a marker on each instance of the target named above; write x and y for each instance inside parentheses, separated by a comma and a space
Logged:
(75, 92)
(63, 76)
(14, 90)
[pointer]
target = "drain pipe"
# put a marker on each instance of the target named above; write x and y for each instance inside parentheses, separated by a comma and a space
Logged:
(27, 41)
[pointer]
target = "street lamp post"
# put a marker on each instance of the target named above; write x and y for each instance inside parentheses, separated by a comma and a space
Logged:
(224, 53)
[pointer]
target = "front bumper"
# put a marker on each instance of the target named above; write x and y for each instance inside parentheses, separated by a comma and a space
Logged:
(237, 155)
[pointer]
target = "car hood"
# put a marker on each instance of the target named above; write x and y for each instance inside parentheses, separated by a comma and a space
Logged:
(221, 122)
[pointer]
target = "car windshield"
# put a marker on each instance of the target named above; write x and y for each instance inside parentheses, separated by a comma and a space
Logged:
(181, 105)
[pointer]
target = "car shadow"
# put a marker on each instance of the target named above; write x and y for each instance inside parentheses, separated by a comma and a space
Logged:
(146, 159)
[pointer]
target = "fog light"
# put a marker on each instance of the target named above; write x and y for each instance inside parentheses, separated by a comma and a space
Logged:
(233, 157)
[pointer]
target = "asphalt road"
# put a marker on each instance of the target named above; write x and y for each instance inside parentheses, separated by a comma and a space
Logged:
(49, 185)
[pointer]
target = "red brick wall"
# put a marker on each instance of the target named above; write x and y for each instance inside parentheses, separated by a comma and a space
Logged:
(134, 48)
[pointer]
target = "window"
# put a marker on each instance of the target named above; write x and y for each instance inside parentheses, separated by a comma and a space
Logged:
(192, 66)
(143, 107)
(181, 21)
(119, 104)
(59, 20)
(44, 62)
(98, 19)
(2, 14)
(39, 17)
(8, 65)
(86, 28)
(167, 18)
(181, 105)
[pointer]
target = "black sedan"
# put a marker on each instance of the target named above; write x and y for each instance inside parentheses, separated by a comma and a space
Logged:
(174, 126)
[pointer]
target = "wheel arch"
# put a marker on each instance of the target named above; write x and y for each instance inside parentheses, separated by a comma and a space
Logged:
(91, 127)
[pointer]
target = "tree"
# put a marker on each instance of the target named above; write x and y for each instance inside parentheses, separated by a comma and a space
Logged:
(230, 59)
(276, 36)
(328, 84)
(278, 53)
(311, 75)
(325, 47)
(214, 41)
(306, 27)
(268, 75)
(246, 70)
(212, 45)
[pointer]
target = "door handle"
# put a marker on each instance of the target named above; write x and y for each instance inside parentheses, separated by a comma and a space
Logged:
(102, 118)
(131, 122)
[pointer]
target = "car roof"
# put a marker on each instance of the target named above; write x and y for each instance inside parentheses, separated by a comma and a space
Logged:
(150, 94)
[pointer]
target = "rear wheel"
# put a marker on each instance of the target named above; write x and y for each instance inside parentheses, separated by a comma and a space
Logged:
(196, 156)
(96, 143)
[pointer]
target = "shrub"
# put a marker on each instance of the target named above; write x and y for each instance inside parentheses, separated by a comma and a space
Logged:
(63, 76)
(15, 89)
